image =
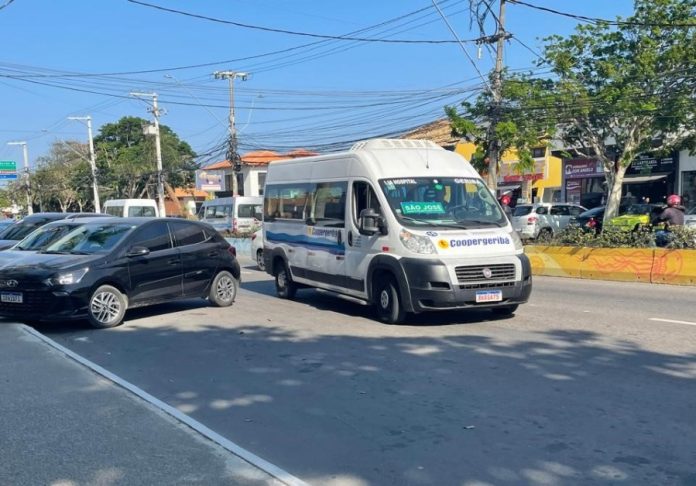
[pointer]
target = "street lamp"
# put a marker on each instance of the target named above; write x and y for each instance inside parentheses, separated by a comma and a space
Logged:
(30, 210)
(92, 160)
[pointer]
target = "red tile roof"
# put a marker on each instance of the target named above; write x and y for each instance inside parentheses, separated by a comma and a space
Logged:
(261, 158)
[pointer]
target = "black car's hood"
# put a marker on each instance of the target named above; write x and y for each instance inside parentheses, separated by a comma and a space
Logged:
(30, 263)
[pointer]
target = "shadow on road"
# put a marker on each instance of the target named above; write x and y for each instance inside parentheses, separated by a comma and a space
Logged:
(411, 406)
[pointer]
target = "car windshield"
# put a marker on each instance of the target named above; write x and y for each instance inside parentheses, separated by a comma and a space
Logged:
(522, 210)
(90, 238)
(443, 202)
(20, 230)
(637, 209)
(692, 211)
(44, 236)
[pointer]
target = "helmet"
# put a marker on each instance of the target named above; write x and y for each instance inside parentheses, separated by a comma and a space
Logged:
(505, 200)
(673, 200)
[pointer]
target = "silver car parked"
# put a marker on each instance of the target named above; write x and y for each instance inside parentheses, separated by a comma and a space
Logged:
(543, 220)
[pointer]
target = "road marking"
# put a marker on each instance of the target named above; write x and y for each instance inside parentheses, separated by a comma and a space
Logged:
(225, 443)
(672, 321)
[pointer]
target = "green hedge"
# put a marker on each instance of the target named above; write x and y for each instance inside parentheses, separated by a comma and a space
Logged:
(682, 238)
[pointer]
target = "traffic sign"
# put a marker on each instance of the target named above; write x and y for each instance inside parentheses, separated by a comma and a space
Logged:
(8, 165)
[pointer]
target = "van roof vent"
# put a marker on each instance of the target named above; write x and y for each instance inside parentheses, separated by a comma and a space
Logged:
(395, 143)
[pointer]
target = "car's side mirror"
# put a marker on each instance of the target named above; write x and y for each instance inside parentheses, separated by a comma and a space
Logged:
(371, 222)
(138, 251)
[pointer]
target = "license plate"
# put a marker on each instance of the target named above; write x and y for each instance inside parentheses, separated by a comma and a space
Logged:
(13, 297)
(489, 296)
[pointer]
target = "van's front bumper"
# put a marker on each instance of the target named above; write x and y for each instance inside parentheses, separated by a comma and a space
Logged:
(430, 287)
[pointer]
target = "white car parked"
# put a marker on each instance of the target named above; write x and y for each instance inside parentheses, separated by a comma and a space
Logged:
(690, 218)
(257, 249)
(543, 220)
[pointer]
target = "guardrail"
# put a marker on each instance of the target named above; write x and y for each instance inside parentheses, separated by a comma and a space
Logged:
(655, 265)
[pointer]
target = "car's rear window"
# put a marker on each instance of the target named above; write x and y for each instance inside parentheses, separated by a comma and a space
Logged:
(522, 210)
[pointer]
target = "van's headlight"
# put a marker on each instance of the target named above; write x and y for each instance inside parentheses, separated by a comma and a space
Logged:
(516, 240)
(68, 278)
(416, 243)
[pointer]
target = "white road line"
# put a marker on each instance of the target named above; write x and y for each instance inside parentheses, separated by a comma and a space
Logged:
(672, 321)
(227, 444)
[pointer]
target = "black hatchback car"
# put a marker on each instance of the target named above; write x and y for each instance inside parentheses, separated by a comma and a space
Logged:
(108, 265)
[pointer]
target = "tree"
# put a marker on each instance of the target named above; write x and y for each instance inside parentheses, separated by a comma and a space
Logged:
(520, 93)
(62, 178)
(626, 87)
(126, 159)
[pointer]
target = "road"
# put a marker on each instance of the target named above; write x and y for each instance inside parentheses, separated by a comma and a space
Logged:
(581, 386)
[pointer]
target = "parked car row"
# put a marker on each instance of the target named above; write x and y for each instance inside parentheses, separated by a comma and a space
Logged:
(96, 267)
(543, 220)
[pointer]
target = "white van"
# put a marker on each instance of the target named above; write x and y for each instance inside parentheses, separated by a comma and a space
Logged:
(128, 208)
(235, 214)
(403, 225)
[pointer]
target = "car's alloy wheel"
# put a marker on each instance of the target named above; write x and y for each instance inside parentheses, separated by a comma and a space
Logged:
(107, 307)
(259, 260)
(223, 290)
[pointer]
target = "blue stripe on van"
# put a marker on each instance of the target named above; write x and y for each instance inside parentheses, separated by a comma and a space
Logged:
(307, 242)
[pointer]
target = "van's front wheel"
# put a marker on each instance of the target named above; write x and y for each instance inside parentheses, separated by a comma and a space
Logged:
(388, 302)
(285, 287)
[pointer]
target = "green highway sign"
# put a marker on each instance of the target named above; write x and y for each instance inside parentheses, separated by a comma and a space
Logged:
(8, 166)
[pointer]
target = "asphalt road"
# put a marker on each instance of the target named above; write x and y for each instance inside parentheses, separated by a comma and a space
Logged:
(581, 386)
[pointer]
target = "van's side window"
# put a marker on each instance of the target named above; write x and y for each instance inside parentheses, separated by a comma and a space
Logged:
(330, 204)
(364, 197)
(141, 211)
(288, 201)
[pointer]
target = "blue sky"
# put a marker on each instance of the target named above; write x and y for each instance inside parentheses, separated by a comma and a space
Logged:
(315, 96)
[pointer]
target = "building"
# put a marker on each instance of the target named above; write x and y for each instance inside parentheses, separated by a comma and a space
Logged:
(543, 183)
(648, 178)
(216, 179)
(187, 202)
(687, 178)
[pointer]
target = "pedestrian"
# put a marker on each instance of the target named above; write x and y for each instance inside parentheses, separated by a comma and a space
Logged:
(505, 203)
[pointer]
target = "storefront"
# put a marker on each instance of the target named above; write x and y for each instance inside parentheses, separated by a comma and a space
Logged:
(648, 179)
(687, 178)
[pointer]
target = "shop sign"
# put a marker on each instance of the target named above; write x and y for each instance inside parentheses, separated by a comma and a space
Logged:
(648, 164)
(581, 168)
(210, 180)
(508, 172)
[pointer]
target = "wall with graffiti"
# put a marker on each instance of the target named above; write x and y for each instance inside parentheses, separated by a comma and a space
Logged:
(677, 267)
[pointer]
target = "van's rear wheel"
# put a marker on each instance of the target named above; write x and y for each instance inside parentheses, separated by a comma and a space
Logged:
(285, 287)
(388, 302)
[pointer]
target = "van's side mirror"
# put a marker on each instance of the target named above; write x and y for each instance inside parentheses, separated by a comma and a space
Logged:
(371, 222)
(138, 251)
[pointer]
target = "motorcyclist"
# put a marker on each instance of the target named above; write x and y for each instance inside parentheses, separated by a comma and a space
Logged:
(672, 215)
(505, 203)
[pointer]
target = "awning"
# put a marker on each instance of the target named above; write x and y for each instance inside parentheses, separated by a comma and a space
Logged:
(643, 179)
(509, 187)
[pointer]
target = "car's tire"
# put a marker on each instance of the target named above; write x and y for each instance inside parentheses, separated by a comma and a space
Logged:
(387, 301)
(507, 310)
(223, 289)
(260, 263)
(107, 307)
(545, 235)
(285, 287)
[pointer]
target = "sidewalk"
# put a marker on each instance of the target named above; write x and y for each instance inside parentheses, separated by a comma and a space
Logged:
(61, 424)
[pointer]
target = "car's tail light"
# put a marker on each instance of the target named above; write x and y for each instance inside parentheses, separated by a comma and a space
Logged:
(591, 223)
(232, 251)
(234, 224)
(253, 237)
(532, 220)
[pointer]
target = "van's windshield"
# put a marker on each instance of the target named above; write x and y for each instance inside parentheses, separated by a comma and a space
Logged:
(443, 202)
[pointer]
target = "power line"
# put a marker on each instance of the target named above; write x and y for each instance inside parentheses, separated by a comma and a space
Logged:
(6, 4)
(597, 20)
(293, 32)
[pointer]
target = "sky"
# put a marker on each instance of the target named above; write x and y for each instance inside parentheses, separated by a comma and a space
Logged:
(65, 58)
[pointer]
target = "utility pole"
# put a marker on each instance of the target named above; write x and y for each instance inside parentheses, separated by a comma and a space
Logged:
(30, 209)
(158, 148)
(499, 39)
(232, 149)
(92, 160)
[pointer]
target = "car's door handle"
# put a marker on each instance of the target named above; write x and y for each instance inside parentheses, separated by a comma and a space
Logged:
(213, 253)
(174, 261)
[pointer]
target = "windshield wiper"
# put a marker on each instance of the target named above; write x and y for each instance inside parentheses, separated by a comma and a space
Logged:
(434, 223)
(79, 252)
(481, 221)
(54, 252)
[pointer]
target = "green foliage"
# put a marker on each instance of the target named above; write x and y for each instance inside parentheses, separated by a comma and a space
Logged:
(681, 238)
(520, 93)
(127, 164)
(628, 85)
